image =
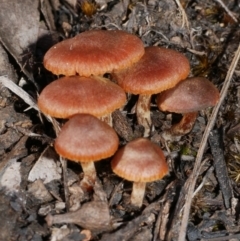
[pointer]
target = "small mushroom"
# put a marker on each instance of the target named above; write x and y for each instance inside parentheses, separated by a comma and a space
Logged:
(94, 52)
(86, 139)
(159, 69)
(68, 96)
(187, 98)
(140, 161)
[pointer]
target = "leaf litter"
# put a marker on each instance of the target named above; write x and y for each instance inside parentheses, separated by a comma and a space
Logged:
(208, 34)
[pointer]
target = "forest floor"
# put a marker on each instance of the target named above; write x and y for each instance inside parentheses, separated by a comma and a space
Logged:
(199, 197)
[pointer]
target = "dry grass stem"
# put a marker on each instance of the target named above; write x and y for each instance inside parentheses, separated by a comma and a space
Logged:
(6, 82)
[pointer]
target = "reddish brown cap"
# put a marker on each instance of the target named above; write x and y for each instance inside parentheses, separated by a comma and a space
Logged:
(190, 95)
(159, 69)
(85, 138)
(140, 161)
(94, 52)
(71, 95)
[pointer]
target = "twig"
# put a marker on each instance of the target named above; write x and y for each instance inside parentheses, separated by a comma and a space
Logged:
(115, 190)
(216, 145)
(66, 190)
(191, 182)
(227, 10)
(165, 211)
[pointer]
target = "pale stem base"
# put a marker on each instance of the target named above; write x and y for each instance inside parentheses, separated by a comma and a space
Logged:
(138, 192)
(143, 113)
(90, 175)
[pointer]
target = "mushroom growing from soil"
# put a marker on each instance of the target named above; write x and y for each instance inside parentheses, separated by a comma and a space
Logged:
(94, 52)
(140, 161)
(187, 98)
(159, 69)
(68, 96)
(86, 139)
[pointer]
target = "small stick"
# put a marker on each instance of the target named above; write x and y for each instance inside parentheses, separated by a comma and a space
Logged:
(65, 186)
(220, 167)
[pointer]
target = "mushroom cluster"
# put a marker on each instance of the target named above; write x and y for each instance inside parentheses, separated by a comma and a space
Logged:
(86, 98)
(83, 95)
(83, 60)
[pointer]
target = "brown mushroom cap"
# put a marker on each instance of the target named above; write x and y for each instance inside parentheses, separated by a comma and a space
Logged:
(190, 95)
(84, 138)
(94, 52)
(140, 161)
(71, 95)
(159, 69)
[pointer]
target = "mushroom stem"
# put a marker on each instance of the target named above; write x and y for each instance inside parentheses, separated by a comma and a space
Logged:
(185, 125)
(89, 170)
(138, 192)
(143, 113)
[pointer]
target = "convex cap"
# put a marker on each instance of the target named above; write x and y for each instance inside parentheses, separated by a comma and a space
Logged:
(84, 138)
(159, 69)
(94, 52)
(187, 98)
(140, 161)
(72, 95)
(190, 95)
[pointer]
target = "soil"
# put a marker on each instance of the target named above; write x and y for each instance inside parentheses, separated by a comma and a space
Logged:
(41, 198)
